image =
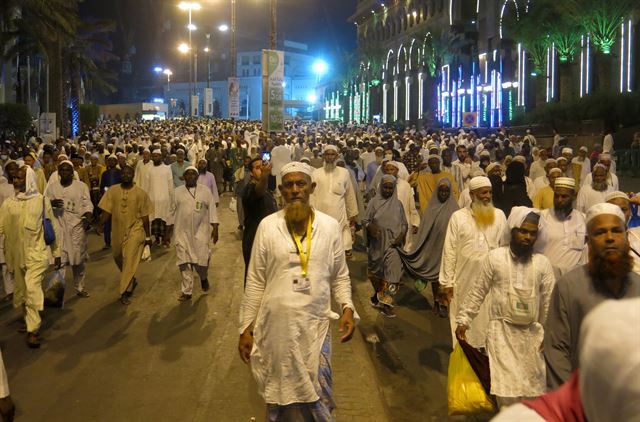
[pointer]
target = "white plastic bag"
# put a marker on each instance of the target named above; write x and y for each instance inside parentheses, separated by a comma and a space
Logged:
(146, 253)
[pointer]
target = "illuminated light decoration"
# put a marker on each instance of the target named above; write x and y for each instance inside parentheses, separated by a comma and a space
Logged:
(504, 6)
(587, 86)
(472, 87)
(420, 96)
(493, 99)
(395, 100)
(495, 55)
(407, 99)
(450, 12)
(402, 50)
(454, 106)
(368, 104)
(439, 101)
(386, 66)
(446, 82)
(499, 97)
(524, 72)
(75, 117)
(553, 70)
(477, 6)
(622, 54)
(581, 66)
(385, 89)
(510, 106)
(629, 42)
(413, 41)
(519, 69)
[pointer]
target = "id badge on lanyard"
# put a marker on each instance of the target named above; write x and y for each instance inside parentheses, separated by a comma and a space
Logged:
(302, 282)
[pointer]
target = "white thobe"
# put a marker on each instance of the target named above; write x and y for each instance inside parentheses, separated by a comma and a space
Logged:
(464, 200)
(588, 197)
(334, 195)
(290, 326)
(55, 178)
(77, 202)
(411, 215)
(562, 241)
(367, 157)
(195, 213)
(634, 242)
(585, 166)
(280, 155)
(537, 170)
(462, 171)
(465, 248)
(515, 360)
(612, 181)
(158, 184)
(141, 169)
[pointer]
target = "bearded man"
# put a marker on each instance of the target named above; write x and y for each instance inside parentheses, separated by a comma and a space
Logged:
(297, 267)
(596, 192)
(517, 285)
(562, 229)
(607, 275)
(335, 195)
(471, 233)
(158, 184)
(621, 199)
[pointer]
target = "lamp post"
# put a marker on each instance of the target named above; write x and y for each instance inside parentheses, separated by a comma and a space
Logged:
(189, 7)
(319, 68)
(234, 50)
(168, 72)
(274, 20)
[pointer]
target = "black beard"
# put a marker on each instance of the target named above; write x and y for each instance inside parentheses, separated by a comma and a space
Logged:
(523, 252)
(563, 212)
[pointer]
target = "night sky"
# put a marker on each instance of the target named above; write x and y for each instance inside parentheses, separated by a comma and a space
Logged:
(155, 27)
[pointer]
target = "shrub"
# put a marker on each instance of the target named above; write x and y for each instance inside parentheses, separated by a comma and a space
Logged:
(15, 118)
(89, 114)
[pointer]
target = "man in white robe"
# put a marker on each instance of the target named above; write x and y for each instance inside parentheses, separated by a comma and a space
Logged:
(26, 252)
(196, 224)
(158, 184)
(334, 195)
(6, 191)
(73, 210)
(472, 232)
(612, 179)
(563, 231)
(516, 284)
(621, 199)
(405, 196)
(596, 192)
(142, 166)
(297, 267)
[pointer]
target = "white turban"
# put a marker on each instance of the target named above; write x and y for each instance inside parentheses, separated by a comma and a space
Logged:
(583, 148)
(518, 215)
(296, 167)
(492, 166)
(610, 362)
(65, 162)
(616, 194)
(190, 168)
(520, 159)
(330, 147)
(157, 151)
(479, 182)
(567, 150)
(605, 208)
(565, 182)
(555, 170)
(550, 161)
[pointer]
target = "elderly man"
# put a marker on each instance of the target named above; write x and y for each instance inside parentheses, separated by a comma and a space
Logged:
(608, 275)
(621, 199)
(537, 168)
(177, 168)
(596, 192)
(426, 182)
(581, 165)
(297, 267)
(471, 233)
(129, 208)
(612, 179)
(518, 284)
(25, 249)
(73, 210)
(562, 229)
(405, 196)
(158, 184)
(196, 224)
(334, 195)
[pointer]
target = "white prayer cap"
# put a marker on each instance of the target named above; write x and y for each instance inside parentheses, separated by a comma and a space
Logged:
(520, 159)
(492, 166)
(604, 208)
(550, 161)
(476, 171)
(296, 167)
(479, 182)
(305, 160)
(561, 159)
(146, 150)
(330, 147)
(519, 214)
(605, 156)
(65, 156)
(567, 150)
(583, 148)
(191, 168)
(565, 182)
(433, 156)
(65, 162)
(202, 159)
(609, 379)
(555, 170)
(393, 163)
(602, 166)
(95, 155)
(157, 151)
(379, 149)
(485, 153)
(615, 195)
(112, 156)
(120, 154)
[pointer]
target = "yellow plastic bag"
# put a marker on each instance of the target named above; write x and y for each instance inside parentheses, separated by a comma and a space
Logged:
(466, 395)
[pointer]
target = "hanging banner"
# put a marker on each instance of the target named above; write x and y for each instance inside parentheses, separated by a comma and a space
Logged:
(272, 90)
(234, 98)
(195, 103)
(470, 119)
(208, 102)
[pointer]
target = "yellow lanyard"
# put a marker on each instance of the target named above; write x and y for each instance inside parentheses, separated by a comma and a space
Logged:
(304, 256)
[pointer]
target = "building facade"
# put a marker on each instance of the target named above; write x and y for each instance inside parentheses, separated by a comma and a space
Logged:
(457, 63)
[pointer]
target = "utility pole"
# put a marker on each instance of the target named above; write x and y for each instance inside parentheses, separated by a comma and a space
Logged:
(208, 51)
(234, 50)
(274, 13)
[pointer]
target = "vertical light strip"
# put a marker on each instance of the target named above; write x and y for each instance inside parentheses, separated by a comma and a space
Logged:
(581, 66)
(407, 99)
(622, 54)
(439, 100)
(472, 96)
(629, 42)
(588, 60)
(493, 99)
(499, 96)
(420, 95)
(523, 82)
(454, 105)
(553, 70)
(519, 72)
(548, 75)
(385, 90)
(395, 101)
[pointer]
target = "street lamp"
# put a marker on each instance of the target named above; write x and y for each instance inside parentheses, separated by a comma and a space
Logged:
(320, 67)
(158, 69)
(190, 6)
(223, 28)
(168, 72)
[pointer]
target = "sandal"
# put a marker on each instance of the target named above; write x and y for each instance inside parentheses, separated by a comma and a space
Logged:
(124, 299)
(33, 341)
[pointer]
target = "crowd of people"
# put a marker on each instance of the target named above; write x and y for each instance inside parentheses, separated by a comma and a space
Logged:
(518, 238)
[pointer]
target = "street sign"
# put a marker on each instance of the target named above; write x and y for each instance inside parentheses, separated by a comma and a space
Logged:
(272, 90)
(470, 119)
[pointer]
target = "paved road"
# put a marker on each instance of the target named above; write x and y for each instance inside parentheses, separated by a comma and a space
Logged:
(162, 360)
